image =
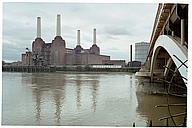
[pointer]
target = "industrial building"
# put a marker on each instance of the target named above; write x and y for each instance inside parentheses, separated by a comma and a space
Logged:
(56, 53)
(141, 51)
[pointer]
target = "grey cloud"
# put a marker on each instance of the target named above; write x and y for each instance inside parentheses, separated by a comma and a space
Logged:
(117, 30)
(11, 52)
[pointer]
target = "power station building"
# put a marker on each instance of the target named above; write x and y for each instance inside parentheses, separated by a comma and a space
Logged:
(56, 53)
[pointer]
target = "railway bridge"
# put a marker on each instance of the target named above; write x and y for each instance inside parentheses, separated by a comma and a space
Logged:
(168, 51)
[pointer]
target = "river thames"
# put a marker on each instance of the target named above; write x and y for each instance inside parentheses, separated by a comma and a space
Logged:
(101, 99)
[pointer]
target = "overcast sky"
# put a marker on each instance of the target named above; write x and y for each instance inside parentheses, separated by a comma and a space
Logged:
(118, 26)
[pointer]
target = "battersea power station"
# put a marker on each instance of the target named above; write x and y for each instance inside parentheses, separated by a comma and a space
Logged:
(56, 53)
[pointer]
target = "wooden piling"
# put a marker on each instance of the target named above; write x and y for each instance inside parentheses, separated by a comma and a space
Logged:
(150, 123)
(133, 124)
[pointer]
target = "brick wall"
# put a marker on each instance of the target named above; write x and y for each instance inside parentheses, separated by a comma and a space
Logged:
(57, 51)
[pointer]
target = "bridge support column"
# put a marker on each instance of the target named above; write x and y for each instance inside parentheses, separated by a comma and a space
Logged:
(182, 31)
(172, 33)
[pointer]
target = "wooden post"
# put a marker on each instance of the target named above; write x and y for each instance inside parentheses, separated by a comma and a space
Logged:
(134, 124)
(167, 122)
(149, 124)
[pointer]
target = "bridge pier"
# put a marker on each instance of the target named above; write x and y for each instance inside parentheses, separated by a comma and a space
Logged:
(172, 33)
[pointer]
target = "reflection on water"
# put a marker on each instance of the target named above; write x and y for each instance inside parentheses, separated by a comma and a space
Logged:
(94, 95)
(78, 82)
(112, 99)
(147, 103)
(37, 95)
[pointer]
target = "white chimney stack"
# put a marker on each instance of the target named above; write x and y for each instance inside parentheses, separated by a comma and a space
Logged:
(94, 36)
(78, 37)
(38, 27)
(58, 25)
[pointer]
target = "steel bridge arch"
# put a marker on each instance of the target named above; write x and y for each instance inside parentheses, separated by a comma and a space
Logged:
(173, 47)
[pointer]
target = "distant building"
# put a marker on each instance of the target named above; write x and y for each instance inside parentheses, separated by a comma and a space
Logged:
(106, 66)
(141, 51)
(114, 62)
(18, 63)
(56, 53)
(134, 64)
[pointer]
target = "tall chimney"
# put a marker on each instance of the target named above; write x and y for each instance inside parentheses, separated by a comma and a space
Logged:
(38, 27)
(94, 36)
(78, 37)
(58, 25)
(131, 53)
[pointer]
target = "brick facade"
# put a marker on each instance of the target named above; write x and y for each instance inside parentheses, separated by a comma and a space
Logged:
(57, 54)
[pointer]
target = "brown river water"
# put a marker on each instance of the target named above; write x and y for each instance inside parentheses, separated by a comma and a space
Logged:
(93, 99)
